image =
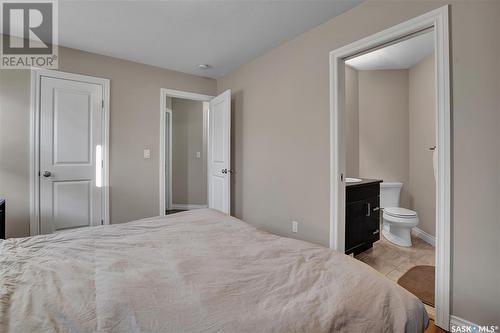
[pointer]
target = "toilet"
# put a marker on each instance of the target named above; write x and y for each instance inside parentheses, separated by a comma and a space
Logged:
(397, 221)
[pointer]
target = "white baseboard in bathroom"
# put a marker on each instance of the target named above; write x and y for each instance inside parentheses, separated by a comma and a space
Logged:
(188, 206)
(424, 236)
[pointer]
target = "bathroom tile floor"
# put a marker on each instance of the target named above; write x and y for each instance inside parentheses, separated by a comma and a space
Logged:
(393, 261)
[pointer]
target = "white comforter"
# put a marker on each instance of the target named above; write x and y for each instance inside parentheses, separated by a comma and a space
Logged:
(199, 271)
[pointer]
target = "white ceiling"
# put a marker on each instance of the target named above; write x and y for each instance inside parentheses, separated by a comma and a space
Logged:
(402, 55)
(179, 35)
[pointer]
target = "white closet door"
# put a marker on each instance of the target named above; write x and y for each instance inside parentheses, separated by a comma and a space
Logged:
(70, 154)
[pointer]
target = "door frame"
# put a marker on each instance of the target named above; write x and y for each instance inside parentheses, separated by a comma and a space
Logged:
(164, 93)
(34, 140)
(438, 20)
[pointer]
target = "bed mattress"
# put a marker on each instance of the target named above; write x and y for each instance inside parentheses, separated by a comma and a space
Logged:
(197, 271)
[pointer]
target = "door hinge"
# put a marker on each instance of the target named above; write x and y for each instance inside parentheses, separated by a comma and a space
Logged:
(102, 222)
(102, 104)
(102, 164)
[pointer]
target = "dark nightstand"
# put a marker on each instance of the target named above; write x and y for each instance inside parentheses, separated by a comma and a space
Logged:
(2, 219)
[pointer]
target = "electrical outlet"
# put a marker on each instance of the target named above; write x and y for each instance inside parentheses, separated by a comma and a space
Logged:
(295, 226)
(198, 154)
(147, 154)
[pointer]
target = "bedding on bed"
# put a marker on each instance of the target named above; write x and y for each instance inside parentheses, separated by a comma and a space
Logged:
(197, 271)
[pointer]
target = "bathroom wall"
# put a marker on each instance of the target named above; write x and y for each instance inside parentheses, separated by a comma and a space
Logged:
(384, 126)
(422, 110)
(189, 175)
(352, 119)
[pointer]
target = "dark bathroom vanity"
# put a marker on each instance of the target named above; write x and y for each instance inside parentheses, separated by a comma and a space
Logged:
(362, 215)
(2, 218)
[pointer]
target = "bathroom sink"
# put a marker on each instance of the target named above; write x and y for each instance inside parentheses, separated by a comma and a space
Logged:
(352, 180)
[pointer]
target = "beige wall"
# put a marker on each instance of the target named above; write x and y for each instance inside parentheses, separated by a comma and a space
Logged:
(383, 127)
(476, 128)
(422, 112)
(189, 173)
(134, 118)
(281, 137)
(14, 150)
(352, 120)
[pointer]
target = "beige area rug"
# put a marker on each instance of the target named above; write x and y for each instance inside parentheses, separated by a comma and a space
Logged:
(419, 280)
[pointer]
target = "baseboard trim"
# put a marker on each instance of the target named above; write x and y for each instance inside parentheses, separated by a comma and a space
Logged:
(187, 206)
(459, 324)
(424, 236)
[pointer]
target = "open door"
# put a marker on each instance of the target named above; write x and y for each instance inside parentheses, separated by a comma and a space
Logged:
(219, 153)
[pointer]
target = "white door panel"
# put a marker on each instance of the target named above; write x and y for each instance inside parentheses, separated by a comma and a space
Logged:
(219, 153)
(218, 189)
(72, 208)
(71, 123)
(72, 114)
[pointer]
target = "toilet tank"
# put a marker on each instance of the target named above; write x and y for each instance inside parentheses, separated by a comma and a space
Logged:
(389, 194)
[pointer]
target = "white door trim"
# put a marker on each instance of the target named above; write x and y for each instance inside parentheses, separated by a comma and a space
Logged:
(36, 75)
(164, 93)
(166, 159)
(438, 19)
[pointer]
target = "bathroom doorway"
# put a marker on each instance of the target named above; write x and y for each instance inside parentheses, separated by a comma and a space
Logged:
(387, 70)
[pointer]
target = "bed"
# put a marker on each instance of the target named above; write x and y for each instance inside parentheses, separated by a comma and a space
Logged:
(197, 271)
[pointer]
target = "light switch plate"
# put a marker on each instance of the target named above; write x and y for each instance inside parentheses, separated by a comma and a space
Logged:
(147, 154)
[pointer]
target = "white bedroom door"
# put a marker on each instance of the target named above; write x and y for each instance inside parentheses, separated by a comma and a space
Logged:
(71, 137)
(219, 153)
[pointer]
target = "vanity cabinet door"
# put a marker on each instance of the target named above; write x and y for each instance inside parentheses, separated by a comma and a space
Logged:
(356, 226)
(362, 225)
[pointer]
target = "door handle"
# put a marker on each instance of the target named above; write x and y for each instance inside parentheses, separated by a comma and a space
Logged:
(369, 210)
(226, 171)
(47, 174)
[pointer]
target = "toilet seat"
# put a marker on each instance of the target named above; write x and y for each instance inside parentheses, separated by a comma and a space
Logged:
(410, 219)
(400, 212)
